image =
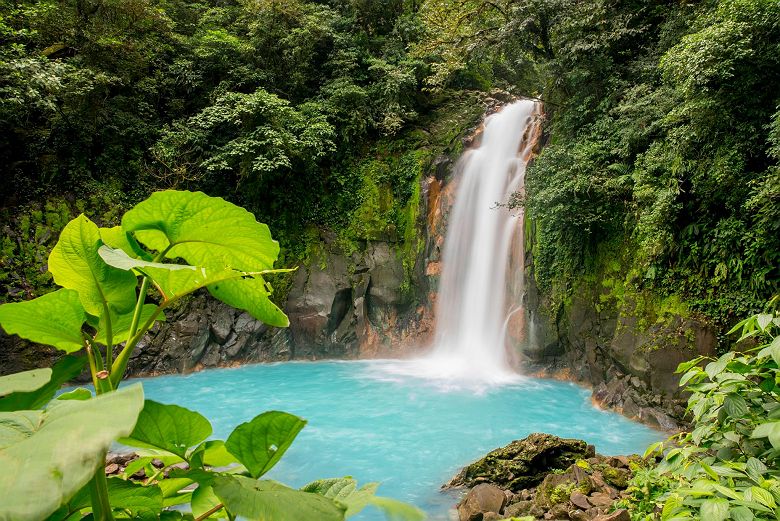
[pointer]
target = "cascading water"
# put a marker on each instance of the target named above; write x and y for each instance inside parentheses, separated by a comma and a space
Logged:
(482, 286)
(472, 312)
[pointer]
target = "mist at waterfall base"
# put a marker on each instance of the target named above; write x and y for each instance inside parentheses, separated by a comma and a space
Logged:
(405, 432)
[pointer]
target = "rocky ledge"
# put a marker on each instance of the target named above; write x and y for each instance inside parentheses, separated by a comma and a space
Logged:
(545, 477)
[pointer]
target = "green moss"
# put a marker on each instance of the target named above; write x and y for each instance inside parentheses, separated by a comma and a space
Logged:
(616, 477)
(561, 493)
(30, 233)
(412, 245)
(583, 464)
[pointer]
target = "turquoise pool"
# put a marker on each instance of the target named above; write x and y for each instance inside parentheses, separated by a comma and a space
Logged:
(408, 433)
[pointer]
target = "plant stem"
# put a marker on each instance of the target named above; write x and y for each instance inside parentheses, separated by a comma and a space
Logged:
(98, 490)
(135, 335)
(154, 476)
(92, 365)
(207, 513)
(139, 306)
(120, 364)
(109, 338)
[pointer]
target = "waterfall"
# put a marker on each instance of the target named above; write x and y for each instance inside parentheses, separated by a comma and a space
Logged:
(473, 309)
(479, 304)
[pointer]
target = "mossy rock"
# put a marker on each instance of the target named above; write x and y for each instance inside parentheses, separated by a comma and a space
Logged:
(616, 477)
(524, 463)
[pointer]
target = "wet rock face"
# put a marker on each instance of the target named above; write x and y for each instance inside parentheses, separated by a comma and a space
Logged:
(629, 364)
(207, 333)
(339, 307)
(349, 307)
(523, 463)
(571, 482)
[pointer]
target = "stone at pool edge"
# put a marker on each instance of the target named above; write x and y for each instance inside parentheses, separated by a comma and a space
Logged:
(584, 491)
(524, 463)
(481, 500)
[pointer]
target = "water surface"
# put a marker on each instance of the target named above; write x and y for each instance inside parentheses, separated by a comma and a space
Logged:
(410, 434)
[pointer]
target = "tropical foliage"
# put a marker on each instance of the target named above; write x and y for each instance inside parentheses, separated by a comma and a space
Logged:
(726, 467)
(53, 450)
(661, 136)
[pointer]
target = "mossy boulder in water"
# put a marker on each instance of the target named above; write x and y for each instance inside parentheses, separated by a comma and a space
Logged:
(524, 463)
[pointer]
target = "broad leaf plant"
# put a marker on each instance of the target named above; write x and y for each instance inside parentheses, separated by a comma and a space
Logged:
(726, 466)
(53, 450)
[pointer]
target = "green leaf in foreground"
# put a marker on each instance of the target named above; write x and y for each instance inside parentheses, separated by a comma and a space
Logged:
(76, 394)
(124, 495)
(24, 382)
(253, 296)
(168, 427)
(120, 324)
(117, 238)
(203, 230)
(75, 264)
(32, 320)
(714, 510)
(173, 280)
(769, 430)
(67, 368)
(212, 453)
(260, 443)
(741, 513)
(204, 499)
(60, 449)
(735, 406)
(265, 500)
(345, 491)
(394, 509)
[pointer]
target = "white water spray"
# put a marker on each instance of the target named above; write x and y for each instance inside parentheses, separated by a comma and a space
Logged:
(478, 286)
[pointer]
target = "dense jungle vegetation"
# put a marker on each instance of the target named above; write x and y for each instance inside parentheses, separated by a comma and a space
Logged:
(663, 125)
(658, 176)
(663, 142)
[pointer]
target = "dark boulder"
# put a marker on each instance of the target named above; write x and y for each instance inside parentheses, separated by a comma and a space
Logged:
(524, 463)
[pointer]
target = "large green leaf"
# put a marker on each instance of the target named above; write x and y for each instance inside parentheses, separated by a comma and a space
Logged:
(66, 369)
(123, 495)
(117, 237)
(203, 230)
(714, 509)
(134, 497)
(32, 319)
(260, 443)
(168, 427)
(171, 487)
(769, 430)
(17, 426)
(212, 453)
(204, 500)
(345, 491)
(24, 382)
(252, 296)
(120, 259)
(173, 280)
(395, 509)
(76, 394)
(75, 264)
(272, 501)
(59, 449)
